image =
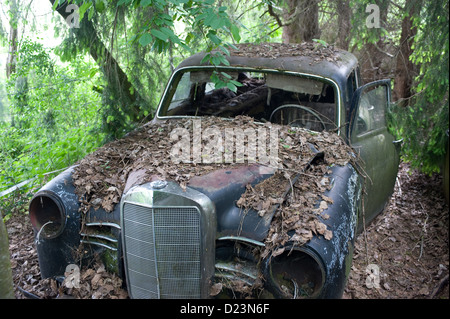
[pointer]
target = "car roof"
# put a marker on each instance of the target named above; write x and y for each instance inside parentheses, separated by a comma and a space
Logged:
(310, 58)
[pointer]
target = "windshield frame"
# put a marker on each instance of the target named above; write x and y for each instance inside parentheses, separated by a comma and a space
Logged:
(178, 73)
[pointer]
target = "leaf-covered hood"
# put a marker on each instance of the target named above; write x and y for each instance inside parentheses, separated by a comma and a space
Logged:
(247, 193)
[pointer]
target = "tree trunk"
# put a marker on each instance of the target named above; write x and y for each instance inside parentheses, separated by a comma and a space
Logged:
(404, 74)
(13, 36)
(344, 24)
(301, 21)
(374, 57)
(119, 85)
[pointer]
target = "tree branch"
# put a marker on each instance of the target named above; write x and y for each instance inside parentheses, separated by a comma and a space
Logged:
(273, 14)
(127, 96)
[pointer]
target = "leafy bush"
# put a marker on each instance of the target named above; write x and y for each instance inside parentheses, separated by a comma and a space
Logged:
(55, 117)
(424, 123)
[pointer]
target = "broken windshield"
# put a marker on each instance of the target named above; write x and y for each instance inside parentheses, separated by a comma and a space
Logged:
(266, 96)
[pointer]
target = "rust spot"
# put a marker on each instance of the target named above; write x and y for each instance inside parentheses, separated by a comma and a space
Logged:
(239, 176)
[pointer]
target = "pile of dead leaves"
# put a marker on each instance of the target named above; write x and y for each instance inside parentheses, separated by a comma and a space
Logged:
(404, 252)
(297, 189)
(315, 51)
(300, 213)
(142, 156)
(24, 264)
(95, 282)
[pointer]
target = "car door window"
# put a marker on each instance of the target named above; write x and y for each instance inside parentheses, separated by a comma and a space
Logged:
(371, 112)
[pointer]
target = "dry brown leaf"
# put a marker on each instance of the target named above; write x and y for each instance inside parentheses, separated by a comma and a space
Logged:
(215, 289)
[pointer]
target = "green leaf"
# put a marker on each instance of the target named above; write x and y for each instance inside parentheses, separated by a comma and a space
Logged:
(145, 39)
(231, 45)
(83, 8)
(215, 60)
(100, 6)
(232, 87)
(121, 2)
(219, 84)
(55, 4)
(206, 58)
(200, 17)
(214, 39)
(236, 83)
(169, 33)
(235, 33)
(226, 75)
(224, 50)
(210, 20)
(92, 72)
(91, 12)
(189, 38)
(146, 3)
(322, 42)
(160, 35)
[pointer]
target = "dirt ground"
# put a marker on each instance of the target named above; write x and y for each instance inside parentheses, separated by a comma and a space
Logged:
(402, 254)
(406, 247)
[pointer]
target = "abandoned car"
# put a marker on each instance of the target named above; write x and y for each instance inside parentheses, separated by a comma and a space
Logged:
(253, 188)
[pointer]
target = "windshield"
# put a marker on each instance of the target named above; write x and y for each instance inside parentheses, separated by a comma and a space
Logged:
(266, 96)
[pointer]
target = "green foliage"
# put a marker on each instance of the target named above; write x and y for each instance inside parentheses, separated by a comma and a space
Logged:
(54, 118)
(201, 20)
(361, 34)
(33, 56)
(188, 26)
(222, 79)
(206, 21)
(424, 123)
(147, 36)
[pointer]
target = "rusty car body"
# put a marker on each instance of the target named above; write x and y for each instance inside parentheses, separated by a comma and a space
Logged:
(173, 241)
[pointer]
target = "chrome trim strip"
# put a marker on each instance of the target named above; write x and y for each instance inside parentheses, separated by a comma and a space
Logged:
(107, 224)
(98, 244)
(232, 277)
(230, 268)
(154, 206)
(100, 236)
(243, 239)
(155, 262)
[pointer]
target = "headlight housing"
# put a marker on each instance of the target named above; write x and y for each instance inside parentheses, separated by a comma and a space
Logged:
(296, 273)
(47, 215)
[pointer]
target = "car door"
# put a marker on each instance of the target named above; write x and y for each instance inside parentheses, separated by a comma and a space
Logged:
(377, 148)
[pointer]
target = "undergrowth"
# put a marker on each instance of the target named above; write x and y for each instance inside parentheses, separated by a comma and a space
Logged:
(54, 117)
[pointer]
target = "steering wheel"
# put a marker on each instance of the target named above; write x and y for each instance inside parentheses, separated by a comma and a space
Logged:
(301, 107)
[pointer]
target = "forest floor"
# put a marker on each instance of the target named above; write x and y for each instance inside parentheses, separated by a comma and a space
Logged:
(402, 254)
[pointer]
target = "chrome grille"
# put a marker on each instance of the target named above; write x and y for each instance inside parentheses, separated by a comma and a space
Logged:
(162, 249)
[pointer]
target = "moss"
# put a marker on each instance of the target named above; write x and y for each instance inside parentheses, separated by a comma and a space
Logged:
(111, 261)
